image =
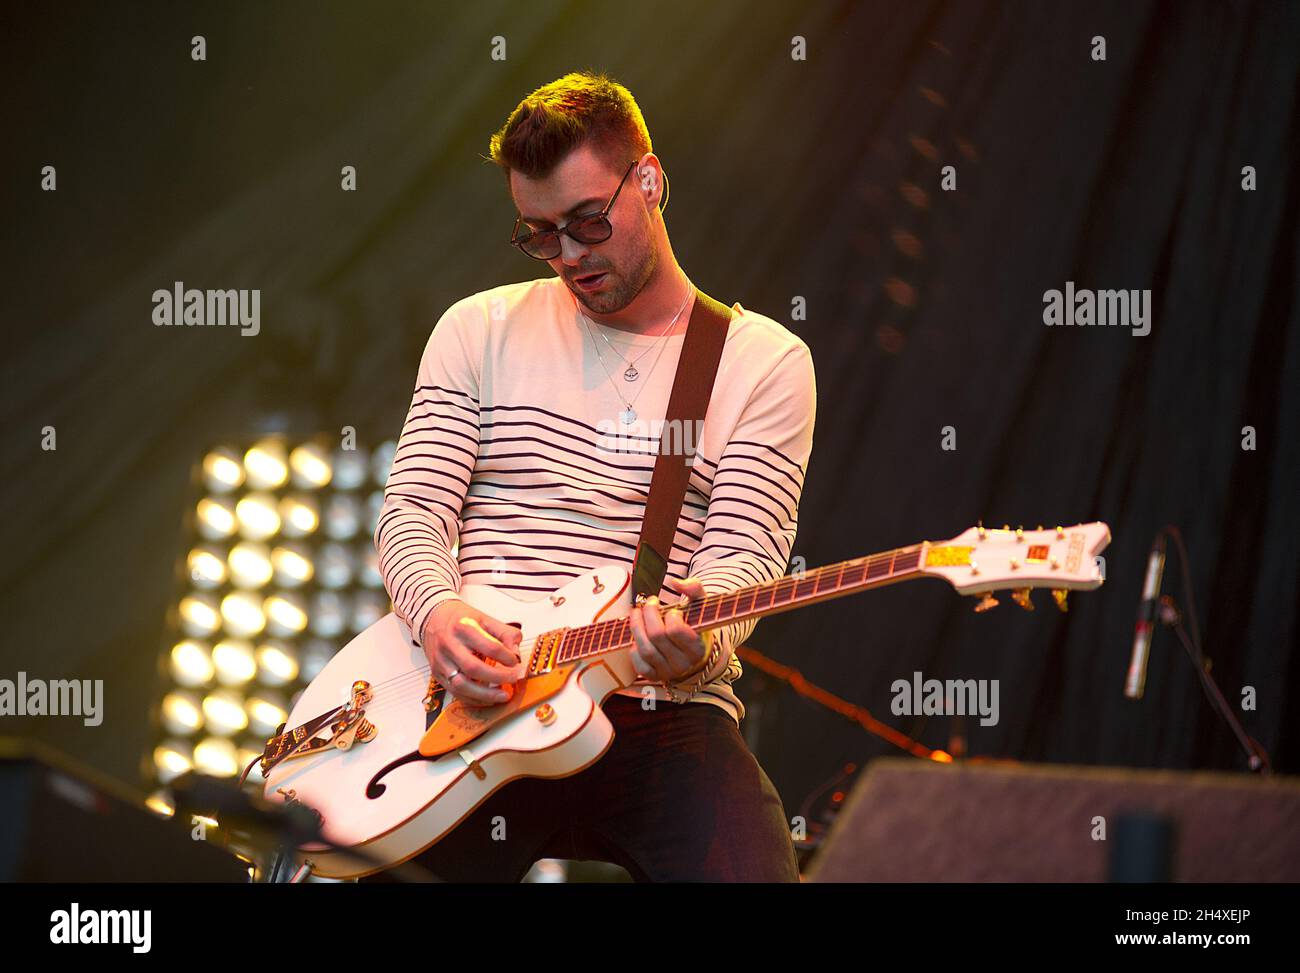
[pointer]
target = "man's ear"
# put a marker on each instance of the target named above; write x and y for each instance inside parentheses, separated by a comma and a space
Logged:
(648, 177)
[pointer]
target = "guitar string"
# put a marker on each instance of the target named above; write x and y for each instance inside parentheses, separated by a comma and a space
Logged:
(401, 688)
(417, 678)
(708, 601)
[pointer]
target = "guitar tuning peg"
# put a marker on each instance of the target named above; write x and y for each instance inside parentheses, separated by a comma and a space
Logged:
(1021, 597)
(1060, 594)
(987, 602)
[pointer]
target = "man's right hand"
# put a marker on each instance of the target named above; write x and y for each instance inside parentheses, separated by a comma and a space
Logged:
(479, 653)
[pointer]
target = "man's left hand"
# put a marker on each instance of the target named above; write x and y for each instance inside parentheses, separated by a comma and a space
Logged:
(667, 648)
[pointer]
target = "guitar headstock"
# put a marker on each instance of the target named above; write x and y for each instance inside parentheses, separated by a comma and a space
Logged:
(983, 560)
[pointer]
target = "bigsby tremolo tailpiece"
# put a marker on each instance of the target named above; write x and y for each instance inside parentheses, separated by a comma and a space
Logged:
(346, 725)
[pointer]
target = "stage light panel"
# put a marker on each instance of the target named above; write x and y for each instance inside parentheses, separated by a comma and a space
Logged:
(310, 467)
(182, 713)
(206, 567)
(234, 662)
(293, 565)
(241, 614)
(266, 465)
(276, 664)
(250, 565)
(216, 518)
(223, 712)
(222, 470)
(190, 663)
(200, 615)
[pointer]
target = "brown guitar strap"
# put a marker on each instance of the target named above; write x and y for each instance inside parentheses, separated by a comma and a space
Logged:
(687, 405)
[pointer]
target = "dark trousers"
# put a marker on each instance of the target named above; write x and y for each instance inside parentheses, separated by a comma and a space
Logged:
(678, 797)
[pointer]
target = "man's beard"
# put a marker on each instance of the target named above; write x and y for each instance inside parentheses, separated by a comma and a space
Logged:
(619, 290)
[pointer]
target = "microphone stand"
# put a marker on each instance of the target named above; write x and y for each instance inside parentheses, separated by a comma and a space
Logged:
(1256, 757)
(1170, 616)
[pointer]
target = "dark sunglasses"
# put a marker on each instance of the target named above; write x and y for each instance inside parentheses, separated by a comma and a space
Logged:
(589, 228)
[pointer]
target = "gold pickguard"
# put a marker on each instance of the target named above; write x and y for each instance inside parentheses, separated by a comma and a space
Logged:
(458, 724)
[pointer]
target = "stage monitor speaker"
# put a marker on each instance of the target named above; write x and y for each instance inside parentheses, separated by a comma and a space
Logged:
(920, 821)
(63, 823)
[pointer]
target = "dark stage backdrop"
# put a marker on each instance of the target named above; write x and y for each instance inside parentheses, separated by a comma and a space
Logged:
(812, 180)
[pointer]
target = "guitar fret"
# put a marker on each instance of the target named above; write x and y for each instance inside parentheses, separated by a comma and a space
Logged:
(731, 611)
(582, 642)
(588, 641)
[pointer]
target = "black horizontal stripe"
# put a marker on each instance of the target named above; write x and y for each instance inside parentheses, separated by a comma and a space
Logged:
(449, 391)
(477, 500)
(768, 448)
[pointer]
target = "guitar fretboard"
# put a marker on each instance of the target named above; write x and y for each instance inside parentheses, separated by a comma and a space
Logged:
(773, 597)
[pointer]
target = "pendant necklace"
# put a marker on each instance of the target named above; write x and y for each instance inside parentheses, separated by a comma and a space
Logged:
(631, 374)
(628, 415)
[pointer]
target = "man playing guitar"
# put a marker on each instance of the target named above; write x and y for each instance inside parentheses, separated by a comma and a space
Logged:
(525, 460)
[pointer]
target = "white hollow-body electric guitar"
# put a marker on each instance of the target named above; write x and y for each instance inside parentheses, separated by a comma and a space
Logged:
(391, 764)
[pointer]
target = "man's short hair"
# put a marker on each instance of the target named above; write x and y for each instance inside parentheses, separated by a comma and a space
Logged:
(581, 108)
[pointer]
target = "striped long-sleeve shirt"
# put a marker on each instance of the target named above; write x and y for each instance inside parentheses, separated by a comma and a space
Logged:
(508, 471)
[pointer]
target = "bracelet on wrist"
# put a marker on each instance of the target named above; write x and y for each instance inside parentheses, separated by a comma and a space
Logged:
(676, 689)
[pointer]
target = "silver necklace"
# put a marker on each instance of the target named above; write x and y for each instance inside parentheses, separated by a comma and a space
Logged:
(628, 415)
(630, 374)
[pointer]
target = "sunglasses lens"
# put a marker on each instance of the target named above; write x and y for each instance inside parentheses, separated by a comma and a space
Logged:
(544, 245)
(590, 229)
